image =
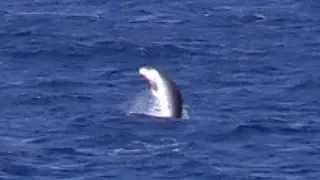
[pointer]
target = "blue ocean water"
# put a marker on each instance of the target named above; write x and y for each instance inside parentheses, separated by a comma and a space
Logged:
(249, 72)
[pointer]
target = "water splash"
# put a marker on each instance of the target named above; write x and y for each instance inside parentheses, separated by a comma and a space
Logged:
(146, 104)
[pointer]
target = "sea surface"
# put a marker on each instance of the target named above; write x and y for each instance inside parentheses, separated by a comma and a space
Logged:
(249, 72)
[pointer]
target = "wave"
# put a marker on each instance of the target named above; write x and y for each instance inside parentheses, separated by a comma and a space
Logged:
(142, 148)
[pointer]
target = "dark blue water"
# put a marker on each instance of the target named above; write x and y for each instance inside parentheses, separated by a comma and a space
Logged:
(249, 72)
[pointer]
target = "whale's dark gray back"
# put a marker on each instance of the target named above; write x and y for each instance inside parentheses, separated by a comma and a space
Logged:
(174, 95)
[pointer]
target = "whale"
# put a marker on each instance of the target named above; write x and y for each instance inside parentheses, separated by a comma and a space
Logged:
(165, 90)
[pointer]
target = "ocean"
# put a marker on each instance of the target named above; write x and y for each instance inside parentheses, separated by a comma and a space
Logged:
(249, 73)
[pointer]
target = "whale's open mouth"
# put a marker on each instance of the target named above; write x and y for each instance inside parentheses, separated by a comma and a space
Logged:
(152, 84)
(149, 75)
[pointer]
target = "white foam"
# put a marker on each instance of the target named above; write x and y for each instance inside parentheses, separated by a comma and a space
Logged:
(143, 149)
(145, 103)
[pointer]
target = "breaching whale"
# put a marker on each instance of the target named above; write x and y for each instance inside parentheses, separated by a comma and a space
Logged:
(165, 90)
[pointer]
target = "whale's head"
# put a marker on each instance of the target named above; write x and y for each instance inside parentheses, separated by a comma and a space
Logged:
(152, 76)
